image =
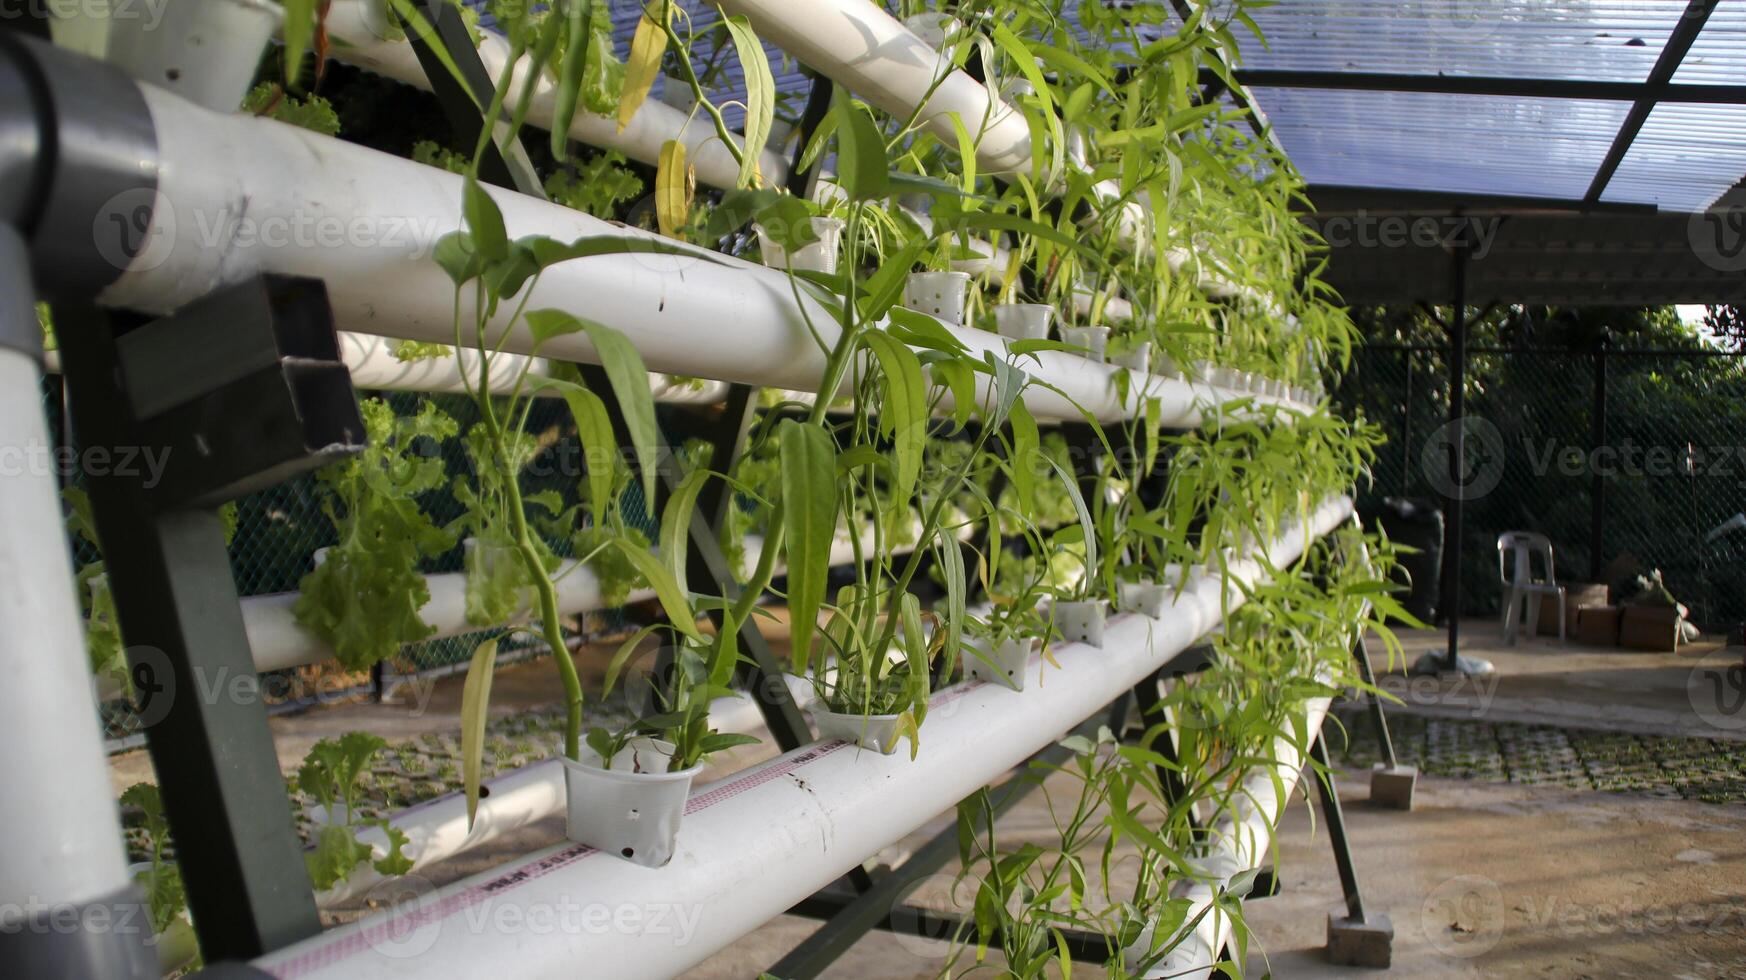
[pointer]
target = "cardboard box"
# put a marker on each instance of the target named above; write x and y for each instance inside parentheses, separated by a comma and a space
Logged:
(1649, 628)
(1598, 625)
(1577, 595)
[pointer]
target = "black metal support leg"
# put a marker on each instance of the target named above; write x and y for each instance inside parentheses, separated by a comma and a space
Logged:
(1361, 653)
(464, 106)
(1357, 938)
(1457, 461)
(195, 681)
(882, 906)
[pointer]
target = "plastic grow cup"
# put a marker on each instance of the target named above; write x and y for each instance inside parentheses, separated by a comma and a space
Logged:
(206, 52)
(1146, 598)
(677, 93)
(941, 295)
(1082, 622)
(1094, 339)
(634, 815)
(1023, 321)
(1138, 360)
(876, 732)
(1005, 664)
(818, 256)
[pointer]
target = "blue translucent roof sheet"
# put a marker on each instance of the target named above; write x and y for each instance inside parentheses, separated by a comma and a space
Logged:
(1609, 41)
(1684, 158)
(1457, 143)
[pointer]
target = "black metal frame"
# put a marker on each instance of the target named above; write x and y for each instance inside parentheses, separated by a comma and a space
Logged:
(164, 550)
(1644, 96)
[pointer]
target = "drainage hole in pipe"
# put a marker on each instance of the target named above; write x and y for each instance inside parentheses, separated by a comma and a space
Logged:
(629, 852)
(484, 791)
(634, 814)
(173, 74)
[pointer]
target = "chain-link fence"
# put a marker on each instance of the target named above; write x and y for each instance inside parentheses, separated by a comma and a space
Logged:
(279, 529)
(1626, 459)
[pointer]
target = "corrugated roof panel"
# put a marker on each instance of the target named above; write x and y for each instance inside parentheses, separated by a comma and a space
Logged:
(1609, 40)
(1718, 56)
(1685, 157)
(1458, 144)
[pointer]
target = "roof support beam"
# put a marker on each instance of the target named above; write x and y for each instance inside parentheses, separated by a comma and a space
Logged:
(1526, 88)
(1691, 23)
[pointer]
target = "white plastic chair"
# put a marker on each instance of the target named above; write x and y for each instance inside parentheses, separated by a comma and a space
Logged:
(1521, 587)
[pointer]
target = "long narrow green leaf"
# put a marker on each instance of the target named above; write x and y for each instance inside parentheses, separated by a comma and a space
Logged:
(862, 166)
(952, 566)
(915, 651)
(630, 383)
(673, 601)
(475, 709)
(599, 445)
(809, 508)
(904, 416)
(676, 525)
(760, 94)
(1086, 524)
(1025, 453)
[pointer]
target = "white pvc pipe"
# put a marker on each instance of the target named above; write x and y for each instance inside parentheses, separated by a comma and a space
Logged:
(277, 641)
(63, 843)
(437, 831)
(755, 844)
(271, 191)
(358, 28)
(374, 367)
(860, 46)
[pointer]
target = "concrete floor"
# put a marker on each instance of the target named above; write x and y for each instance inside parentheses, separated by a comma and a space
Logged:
(1482, 880)
(1543, 681)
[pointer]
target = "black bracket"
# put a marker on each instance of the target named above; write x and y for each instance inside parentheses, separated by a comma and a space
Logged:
(242, 390)
(265, 398)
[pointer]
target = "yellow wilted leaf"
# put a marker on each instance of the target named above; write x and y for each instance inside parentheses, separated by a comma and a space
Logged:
(647, 46)
(675, 185)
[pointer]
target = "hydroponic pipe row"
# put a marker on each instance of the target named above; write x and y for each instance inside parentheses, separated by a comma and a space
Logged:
(699, 314)
(755, 844)
(277, 641)
(360, 31)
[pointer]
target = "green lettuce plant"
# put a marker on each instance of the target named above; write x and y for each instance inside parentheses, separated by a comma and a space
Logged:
(363, 600)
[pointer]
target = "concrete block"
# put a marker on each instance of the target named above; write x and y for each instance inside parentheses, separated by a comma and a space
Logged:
(1393, 787)
(1360, 942)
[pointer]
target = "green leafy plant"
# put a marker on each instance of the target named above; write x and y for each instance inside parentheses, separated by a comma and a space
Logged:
(333, 774)
(312, 112)
(363, 600)
(680, 697)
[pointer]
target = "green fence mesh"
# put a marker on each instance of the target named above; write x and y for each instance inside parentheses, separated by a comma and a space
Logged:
(1670, 461)
(279, 529)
